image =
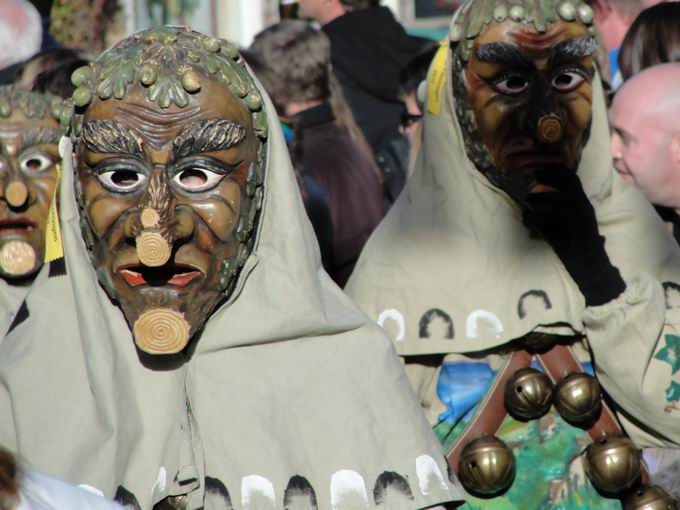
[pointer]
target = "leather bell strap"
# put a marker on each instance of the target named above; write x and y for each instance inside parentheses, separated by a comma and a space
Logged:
(557, 362)
(489, 417)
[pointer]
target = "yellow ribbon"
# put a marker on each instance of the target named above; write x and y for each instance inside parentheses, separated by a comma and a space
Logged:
(437, 79)
(53, 248)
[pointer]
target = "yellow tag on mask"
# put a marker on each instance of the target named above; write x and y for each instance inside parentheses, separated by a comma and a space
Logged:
(437, 79)
(53, 247)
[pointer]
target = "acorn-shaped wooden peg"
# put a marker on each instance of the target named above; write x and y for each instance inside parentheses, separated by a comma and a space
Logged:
(148, 74)
(486, 466)
(650, 497)
(578, 397)
(612, 464)
(528, 394)
(190, 81)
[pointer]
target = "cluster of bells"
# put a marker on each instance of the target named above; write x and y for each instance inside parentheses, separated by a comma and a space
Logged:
(613, 465)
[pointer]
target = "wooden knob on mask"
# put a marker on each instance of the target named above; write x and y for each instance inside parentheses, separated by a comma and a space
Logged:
(161, 331)
(17, 258)
(152, 249)
(16, 193)
(550, 129)
(149, 217)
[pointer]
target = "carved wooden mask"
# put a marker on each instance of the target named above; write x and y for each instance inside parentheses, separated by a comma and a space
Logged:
(170, 167)
(523, 83)
(29, 138)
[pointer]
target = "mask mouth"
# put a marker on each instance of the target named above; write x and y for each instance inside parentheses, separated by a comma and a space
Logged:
(176, 275)
(536, 159)
(17, 224)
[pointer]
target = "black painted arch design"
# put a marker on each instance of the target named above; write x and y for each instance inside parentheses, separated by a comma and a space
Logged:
(387, 482)
(429, 316)
(535, 293)
(216, 495)
(126, 499)
(299, 494)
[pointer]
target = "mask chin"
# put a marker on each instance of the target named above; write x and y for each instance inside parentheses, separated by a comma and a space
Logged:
(19, 260)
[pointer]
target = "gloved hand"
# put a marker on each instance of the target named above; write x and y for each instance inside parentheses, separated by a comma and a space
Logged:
(565, 218)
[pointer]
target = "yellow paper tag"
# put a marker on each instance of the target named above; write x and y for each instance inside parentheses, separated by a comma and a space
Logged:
(437, 79)
(53, 247)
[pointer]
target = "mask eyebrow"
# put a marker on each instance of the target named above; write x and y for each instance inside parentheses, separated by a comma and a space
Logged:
(574, 49)
(40, 136)
(503, 53)
(111, 137)
(207, 136)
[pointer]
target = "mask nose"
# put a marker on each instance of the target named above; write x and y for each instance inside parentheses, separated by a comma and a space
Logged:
(14, 188)
(16, 194)
(158, 223)
(546, 120)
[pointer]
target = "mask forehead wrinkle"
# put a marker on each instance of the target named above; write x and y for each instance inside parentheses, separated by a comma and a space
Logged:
(157, 129)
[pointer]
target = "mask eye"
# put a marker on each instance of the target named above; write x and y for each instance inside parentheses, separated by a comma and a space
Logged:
(36, 163)
(567, 81)
(511, 85)
(196, 180)
(124, 180)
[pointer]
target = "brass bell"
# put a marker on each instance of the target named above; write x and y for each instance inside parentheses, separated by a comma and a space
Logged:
(650, 497)
(528, 394)
(578, 397)
(612, 464)
(486, 466)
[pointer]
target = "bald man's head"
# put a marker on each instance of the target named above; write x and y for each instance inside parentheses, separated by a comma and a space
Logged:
(646, 133)
(20, 31)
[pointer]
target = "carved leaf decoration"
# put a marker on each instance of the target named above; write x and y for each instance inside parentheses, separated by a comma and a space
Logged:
(168, 90)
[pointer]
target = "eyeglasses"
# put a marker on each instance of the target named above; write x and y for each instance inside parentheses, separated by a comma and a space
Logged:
(408, 119)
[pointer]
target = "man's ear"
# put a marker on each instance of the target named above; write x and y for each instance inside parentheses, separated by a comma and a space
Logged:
(601, 8)
(675, 149)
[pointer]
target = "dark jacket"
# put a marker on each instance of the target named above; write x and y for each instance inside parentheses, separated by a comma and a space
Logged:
(350, 181)
(368, 50)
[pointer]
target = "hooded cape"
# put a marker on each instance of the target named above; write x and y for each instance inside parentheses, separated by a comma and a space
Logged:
(291, 392)
(453, 248)
(11, 298)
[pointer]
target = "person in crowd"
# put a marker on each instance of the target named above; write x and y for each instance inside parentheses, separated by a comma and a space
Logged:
(410, 79)
(192, 350)
(613, 18)
(645, 140)
(653, 38)
(20, 31)
(48, 71)
(22, 489)
(313, 194)
(297, 57)
(368, 50)
(516, 226)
